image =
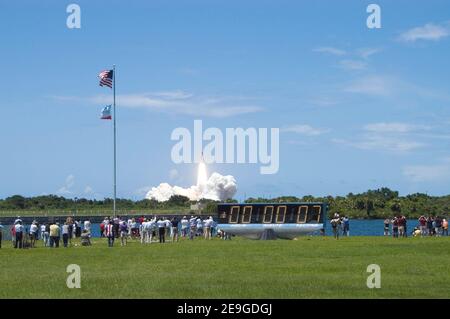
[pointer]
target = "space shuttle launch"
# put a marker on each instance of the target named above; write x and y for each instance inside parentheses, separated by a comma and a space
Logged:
(202, 175)
(216, 187)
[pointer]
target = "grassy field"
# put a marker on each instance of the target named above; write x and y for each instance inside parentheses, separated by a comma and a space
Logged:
(311, 267)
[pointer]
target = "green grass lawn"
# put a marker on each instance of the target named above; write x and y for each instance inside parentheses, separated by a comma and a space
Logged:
(311, 267)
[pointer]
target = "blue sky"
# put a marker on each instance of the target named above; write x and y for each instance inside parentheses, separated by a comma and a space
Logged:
(357, 108)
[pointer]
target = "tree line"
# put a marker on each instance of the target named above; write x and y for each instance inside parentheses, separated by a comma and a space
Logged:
(379, 203)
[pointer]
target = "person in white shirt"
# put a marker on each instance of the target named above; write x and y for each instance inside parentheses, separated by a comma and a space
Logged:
(146, 235)
(123, 227)
(65, 234)
(129, 222)
(109, 233)
(192, 227)
(87, 225)
(42, 230)
(161, 230)
(199, 226)
(18, 228)
(33, 234)
(151, 229)
(208, 224)
(184, 226)
(168, 227)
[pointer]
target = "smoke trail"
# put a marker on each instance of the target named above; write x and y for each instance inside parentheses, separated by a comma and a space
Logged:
(217, 187)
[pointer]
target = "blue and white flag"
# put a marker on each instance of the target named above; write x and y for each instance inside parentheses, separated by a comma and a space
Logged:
(106, 113)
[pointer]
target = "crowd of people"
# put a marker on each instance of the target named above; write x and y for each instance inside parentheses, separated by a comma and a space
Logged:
(426, 226)
(146, 230)
(340, 225)
(155, 229)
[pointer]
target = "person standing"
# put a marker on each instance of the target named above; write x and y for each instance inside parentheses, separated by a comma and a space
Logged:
(87, 225)
(401, 226)
(422, 225)
(208, 224)
(123, 226)
(184, 227)
(71, 229)
(346, 226)
(199, 226)
(116, 226)
(438, 226)
(161, 230)
(335, 225)
(444, 227)
(33, 234)
(152, 229)
(54, 235)
(18, 230)
(394, 223)
(192, 227)
(109, 233)
(174, 229)
(405, 228)
(386, 226)
(430, 225)
(143, 231)
(66, 234)
(43, 234)
(47, 234)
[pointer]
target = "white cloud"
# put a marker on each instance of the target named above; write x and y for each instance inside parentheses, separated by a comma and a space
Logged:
(330, 50)
(180, 102)
(304, 129)
(66, 189)
(393, 127)
(429, 31)
(365, 53)
(427, 173)
(352, 65)
(381, 142)
(372, 85)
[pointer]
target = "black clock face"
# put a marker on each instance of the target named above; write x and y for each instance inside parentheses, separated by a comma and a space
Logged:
(299, 213)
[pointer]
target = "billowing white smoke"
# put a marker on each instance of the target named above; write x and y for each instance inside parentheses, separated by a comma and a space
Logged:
(217, 187)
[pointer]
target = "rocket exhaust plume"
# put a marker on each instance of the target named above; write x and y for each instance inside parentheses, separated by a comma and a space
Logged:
(202, 176)
(216, 187)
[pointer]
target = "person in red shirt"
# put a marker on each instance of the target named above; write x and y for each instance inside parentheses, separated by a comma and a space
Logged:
(109, 233)
(423, 225)
(102, 230)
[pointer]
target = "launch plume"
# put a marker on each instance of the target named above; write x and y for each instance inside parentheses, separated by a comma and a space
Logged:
(216, 187)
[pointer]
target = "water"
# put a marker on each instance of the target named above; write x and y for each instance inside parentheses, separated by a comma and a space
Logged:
(358, 227)
(367, 227)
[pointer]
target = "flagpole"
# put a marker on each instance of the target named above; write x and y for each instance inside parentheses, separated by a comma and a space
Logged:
(114, 119)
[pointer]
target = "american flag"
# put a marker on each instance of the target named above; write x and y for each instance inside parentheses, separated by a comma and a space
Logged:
(106, 78)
